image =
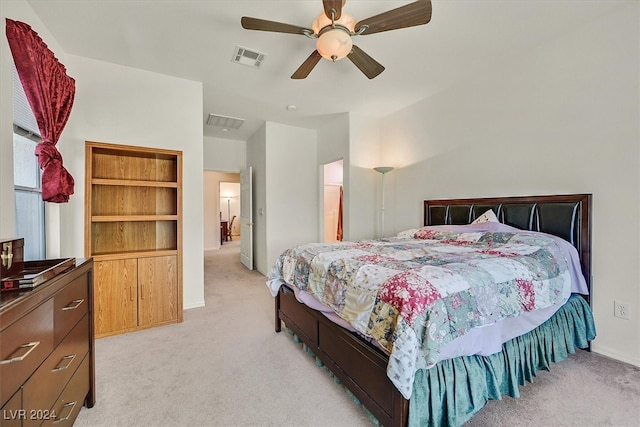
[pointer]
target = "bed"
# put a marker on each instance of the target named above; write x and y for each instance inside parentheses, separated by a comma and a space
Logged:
(371, 364)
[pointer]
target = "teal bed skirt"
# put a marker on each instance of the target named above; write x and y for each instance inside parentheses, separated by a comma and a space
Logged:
(451, 392)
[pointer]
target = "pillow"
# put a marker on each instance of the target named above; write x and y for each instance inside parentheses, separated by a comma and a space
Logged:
(488, 216)
(407, 233)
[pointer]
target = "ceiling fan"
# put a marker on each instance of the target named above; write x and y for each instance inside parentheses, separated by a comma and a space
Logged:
(334, 29)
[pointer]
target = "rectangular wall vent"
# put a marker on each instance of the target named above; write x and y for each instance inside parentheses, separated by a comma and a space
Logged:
(249, 57)
(224, 122)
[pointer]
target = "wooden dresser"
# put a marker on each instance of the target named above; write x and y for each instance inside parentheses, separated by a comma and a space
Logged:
(47, 350)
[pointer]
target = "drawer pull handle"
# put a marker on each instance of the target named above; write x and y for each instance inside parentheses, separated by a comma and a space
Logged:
(31, 346)
(73, 304)
(69, 360)
(70, 405)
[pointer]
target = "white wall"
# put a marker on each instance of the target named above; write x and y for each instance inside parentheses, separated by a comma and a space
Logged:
(362, 188)
(224, 155)
(560, 118)
(129, 106)
(291, 181)
(285, 195)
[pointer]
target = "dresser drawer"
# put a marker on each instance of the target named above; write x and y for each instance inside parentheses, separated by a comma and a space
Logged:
(12, 412)
(68, 405)
(71, 303)
(23, 347)
(45, 386)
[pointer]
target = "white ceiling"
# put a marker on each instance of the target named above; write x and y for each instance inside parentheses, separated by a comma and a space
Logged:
(195, 40)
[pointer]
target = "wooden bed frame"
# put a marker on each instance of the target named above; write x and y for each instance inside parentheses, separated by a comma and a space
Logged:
(360, 365)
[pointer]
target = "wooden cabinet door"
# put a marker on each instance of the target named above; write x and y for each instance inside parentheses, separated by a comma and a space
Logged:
(158, 289)
(115, 295)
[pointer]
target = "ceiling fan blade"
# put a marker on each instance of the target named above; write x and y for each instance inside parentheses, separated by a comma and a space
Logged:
(412, 14)
(369, 66)
(306, 67)
(335, 5)
(277, 27)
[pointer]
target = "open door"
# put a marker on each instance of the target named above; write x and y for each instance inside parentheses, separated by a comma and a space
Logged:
(246, 218)
(332, 201)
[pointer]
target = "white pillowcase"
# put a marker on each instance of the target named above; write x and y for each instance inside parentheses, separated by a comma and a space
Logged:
(407, 233)
(488, 216)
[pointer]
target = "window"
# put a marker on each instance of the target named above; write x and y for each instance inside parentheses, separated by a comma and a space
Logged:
(29, 204)
(30, 219)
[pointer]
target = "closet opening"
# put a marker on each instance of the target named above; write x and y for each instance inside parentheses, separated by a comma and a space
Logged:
(333, 201)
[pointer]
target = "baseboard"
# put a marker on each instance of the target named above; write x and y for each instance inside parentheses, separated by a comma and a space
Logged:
(197, 304)
(613, 354)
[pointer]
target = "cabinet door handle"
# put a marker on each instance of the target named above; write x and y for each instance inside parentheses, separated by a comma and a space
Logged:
(131, 293)
(70, 405)
(73, 305)
(141, 291)
(31, 346)
(61, 367)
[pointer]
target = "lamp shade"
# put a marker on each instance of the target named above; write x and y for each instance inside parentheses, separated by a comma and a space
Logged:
(383, 169)
(334, 42)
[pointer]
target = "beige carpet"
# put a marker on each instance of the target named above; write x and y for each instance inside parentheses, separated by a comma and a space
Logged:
(225, 366)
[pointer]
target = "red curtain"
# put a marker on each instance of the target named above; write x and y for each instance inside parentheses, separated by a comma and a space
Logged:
(50, 92)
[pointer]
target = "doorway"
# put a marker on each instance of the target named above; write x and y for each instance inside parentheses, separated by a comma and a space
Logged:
(229, 211)
(333, 201)
(215, 207)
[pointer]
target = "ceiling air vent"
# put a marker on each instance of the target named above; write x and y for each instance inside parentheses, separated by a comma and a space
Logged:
(224, 122)
(245, 56)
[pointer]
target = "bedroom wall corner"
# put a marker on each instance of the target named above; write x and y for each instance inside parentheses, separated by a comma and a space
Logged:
(362, 189)
(256, 158)
(7, 196)
(333, 145)
(561, 117)
(291, 204)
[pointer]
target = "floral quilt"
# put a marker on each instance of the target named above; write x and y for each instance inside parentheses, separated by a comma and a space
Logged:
(413, 295)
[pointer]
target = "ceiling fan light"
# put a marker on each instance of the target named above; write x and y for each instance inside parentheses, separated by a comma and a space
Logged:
(334, 44)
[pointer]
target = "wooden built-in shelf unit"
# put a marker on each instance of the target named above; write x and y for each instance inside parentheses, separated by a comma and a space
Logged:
(133, 231)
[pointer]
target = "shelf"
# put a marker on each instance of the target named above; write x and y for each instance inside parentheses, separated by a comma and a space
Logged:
(133, 236)
(133, 183)
(132, 201)
(132, 218)
(106, 256)
(135, 165)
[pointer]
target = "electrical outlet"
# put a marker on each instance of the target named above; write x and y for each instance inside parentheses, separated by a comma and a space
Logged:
(621, 310)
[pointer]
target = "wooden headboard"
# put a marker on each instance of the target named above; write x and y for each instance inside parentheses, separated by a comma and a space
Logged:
(567, 216)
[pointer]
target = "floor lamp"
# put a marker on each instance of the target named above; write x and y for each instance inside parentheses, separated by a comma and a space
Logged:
(383, 170)
(228, 208)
